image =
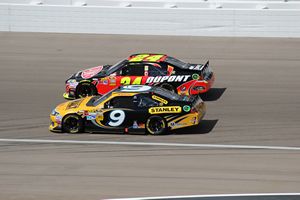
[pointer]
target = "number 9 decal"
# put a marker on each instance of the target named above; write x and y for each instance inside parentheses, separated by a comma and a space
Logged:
(117, 117)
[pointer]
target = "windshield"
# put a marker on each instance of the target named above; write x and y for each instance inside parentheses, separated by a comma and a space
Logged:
(116, 66)
(170, 95)
(176, 62)
(102, 98)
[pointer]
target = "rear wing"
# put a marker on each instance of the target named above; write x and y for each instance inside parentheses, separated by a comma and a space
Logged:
(206, 65)
(195, 99)
(198, 67)
(206, 71)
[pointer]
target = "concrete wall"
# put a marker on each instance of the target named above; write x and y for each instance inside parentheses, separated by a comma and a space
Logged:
(225, 20)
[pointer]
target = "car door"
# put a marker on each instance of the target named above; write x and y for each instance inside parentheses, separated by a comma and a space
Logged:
(154, 73)
(117, 112)
(142, 103)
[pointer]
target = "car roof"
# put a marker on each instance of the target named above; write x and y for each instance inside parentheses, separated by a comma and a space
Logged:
(135, 89)
(147, 57)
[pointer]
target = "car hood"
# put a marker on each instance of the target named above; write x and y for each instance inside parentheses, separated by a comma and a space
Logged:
(94, 72)
(72, 106)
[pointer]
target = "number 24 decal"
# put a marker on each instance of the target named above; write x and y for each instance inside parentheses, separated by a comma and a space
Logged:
(127, 80)
(116, 118)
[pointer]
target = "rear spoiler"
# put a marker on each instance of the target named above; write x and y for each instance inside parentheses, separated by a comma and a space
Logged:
(205, 66)
(194, 99)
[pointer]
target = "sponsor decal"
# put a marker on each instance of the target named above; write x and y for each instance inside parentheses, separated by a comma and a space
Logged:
(58, 119)
(173, 78)
(196, 67)
(72, 84)
(135, 124)
(194, 120)
(99, 118)
(112, 80)
(91, 116)
(195, 76)
(135, 88)
(83, 113)
(165, 109)
(186, 108)
(141, 125)
(89, 73)
(72, 81)
(174, 124)
(105, 82)
(159, 99)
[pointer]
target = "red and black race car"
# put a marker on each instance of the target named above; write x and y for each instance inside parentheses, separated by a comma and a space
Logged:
(142, 69)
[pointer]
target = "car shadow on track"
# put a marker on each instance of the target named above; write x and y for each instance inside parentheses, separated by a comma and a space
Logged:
(213, 94)
(205, 126)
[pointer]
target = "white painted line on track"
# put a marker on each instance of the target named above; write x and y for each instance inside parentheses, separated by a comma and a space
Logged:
(212, 195)
(150, 144)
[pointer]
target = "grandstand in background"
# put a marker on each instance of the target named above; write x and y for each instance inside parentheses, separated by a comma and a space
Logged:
(260, 18)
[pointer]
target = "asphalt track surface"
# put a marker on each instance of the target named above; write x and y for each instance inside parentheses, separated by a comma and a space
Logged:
(255, 101)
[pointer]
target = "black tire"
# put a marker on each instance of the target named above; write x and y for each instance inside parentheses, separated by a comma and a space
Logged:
(85, 89)
(156, 125)
(168, 86)
(72, 124)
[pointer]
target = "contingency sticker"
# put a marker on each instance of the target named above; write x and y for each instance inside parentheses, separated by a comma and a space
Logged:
(186, 108)
(159, 99)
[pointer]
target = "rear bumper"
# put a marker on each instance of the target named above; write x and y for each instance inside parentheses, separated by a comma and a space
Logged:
(187, 120)
(194, 87)
(204, 86)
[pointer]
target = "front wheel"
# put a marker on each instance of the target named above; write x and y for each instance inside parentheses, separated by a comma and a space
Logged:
(156, 125)
(72, 124)
(85, 89)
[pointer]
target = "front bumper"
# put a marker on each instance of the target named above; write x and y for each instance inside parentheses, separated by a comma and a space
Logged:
(70, 89)
(55, 123)
(69, 96)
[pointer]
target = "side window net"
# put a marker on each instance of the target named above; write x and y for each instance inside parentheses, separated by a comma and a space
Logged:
(144, 102)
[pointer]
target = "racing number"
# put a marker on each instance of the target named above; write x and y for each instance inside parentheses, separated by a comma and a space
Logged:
(138, 58)
(154, 58)
(146, 57)
(116, 118)
(127, 80)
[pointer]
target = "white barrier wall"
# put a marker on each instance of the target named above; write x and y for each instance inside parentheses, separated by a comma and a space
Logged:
(150, 20)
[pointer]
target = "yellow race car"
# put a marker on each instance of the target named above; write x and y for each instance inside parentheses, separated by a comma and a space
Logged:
(132, 108)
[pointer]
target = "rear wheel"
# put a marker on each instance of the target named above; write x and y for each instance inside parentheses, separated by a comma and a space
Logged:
(72, 124)
(85, 89)
(168, 86)
(156, 125)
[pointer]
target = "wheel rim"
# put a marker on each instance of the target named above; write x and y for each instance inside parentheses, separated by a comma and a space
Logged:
(71, 124)
(156, 125)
